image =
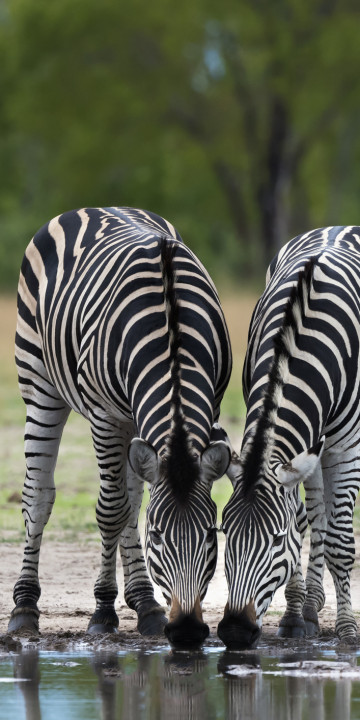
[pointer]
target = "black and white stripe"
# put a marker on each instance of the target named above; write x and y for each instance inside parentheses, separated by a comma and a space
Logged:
(302, 387)
(118, 320)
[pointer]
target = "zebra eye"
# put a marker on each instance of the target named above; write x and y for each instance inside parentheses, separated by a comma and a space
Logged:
(222, 529)
(278, 538)
(155, 537)
(211, 534)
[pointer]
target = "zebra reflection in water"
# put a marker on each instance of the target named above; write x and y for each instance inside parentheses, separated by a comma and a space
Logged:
(142, 685)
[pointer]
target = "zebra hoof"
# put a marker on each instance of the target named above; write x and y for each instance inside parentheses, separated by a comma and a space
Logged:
(101, 629)
(152, 622)
(103, 621)
(292, 626)
(348, 640)
(311, 620)
(312, 628)
(24, 619)
(290, 632)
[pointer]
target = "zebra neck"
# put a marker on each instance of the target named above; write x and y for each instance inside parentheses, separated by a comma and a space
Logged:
(291, 421)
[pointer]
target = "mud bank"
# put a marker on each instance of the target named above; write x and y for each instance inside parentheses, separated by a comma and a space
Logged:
(67, 575)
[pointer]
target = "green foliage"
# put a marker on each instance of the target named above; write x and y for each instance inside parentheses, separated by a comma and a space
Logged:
(238, 122)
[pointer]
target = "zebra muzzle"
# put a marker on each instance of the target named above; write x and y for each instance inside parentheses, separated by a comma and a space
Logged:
(239, 631)
(186, 629)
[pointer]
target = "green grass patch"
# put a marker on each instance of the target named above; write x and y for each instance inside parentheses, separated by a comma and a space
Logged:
(221, 492)
(12, 407)
(233, 405)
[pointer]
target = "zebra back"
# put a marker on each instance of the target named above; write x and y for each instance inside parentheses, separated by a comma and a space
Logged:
(303, 318)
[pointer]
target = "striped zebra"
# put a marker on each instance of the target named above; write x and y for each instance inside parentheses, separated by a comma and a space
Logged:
(301, 383)
(119, 321)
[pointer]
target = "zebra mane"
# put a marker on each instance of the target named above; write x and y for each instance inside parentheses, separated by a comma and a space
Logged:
(284, 343)
(181, 466)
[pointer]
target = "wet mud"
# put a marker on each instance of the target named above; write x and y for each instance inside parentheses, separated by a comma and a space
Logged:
(69, 641)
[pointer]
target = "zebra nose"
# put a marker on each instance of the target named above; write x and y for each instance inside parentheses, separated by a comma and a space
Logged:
(238, 631)
(186, 629)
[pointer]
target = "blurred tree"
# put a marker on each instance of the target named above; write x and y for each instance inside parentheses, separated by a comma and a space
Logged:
(274, 83)
(238, 122)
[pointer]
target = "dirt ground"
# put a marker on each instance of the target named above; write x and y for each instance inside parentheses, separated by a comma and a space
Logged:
(67, 575)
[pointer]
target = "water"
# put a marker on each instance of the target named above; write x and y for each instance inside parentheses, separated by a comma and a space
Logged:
(160, 684)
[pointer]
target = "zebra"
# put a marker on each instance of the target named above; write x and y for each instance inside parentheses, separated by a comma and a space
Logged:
(119, 321)
(301, 381)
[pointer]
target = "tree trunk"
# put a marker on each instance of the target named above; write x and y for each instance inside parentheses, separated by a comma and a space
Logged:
(273, 191)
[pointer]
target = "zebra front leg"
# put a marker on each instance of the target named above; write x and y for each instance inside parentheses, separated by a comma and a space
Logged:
(315, 508)
(341, 489)
(43, 431)
(113, 512)
(292, 624)
(138, 590)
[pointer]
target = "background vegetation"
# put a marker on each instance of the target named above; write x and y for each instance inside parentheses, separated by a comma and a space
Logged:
(238, 121)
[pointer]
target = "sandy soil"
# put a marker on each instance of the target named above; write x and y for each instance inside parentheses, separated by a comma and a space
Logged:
(67, 575)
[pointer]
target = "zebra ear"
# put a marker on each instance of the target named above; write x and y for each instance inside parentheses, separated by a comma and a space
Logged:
(301, 466)
(218, 433)
(215, 460)
(143, 460)
(233, 469)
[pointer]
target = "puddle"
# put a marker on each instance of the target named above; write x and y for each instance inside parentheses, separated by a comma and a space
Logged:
(311, 682)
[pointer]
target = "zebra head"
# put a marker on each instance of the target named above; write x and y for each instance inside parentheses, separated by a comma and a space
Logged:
(181, 534)
(263, 543)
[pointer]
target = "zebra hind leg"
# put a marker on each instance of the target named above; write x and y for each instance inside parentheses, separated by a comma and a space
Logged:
(46, 417)
(116, 512)
(341, 488)
(316, 512)
(110, 439)
(139, 591)
(292, 624)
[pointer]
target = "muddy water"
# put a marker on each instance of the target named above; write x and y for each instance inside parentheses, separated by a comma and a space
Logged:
(315, 681)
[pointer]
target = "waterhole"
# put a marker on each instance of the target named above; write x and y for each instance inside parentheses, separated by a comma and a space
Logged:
(317, 682)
